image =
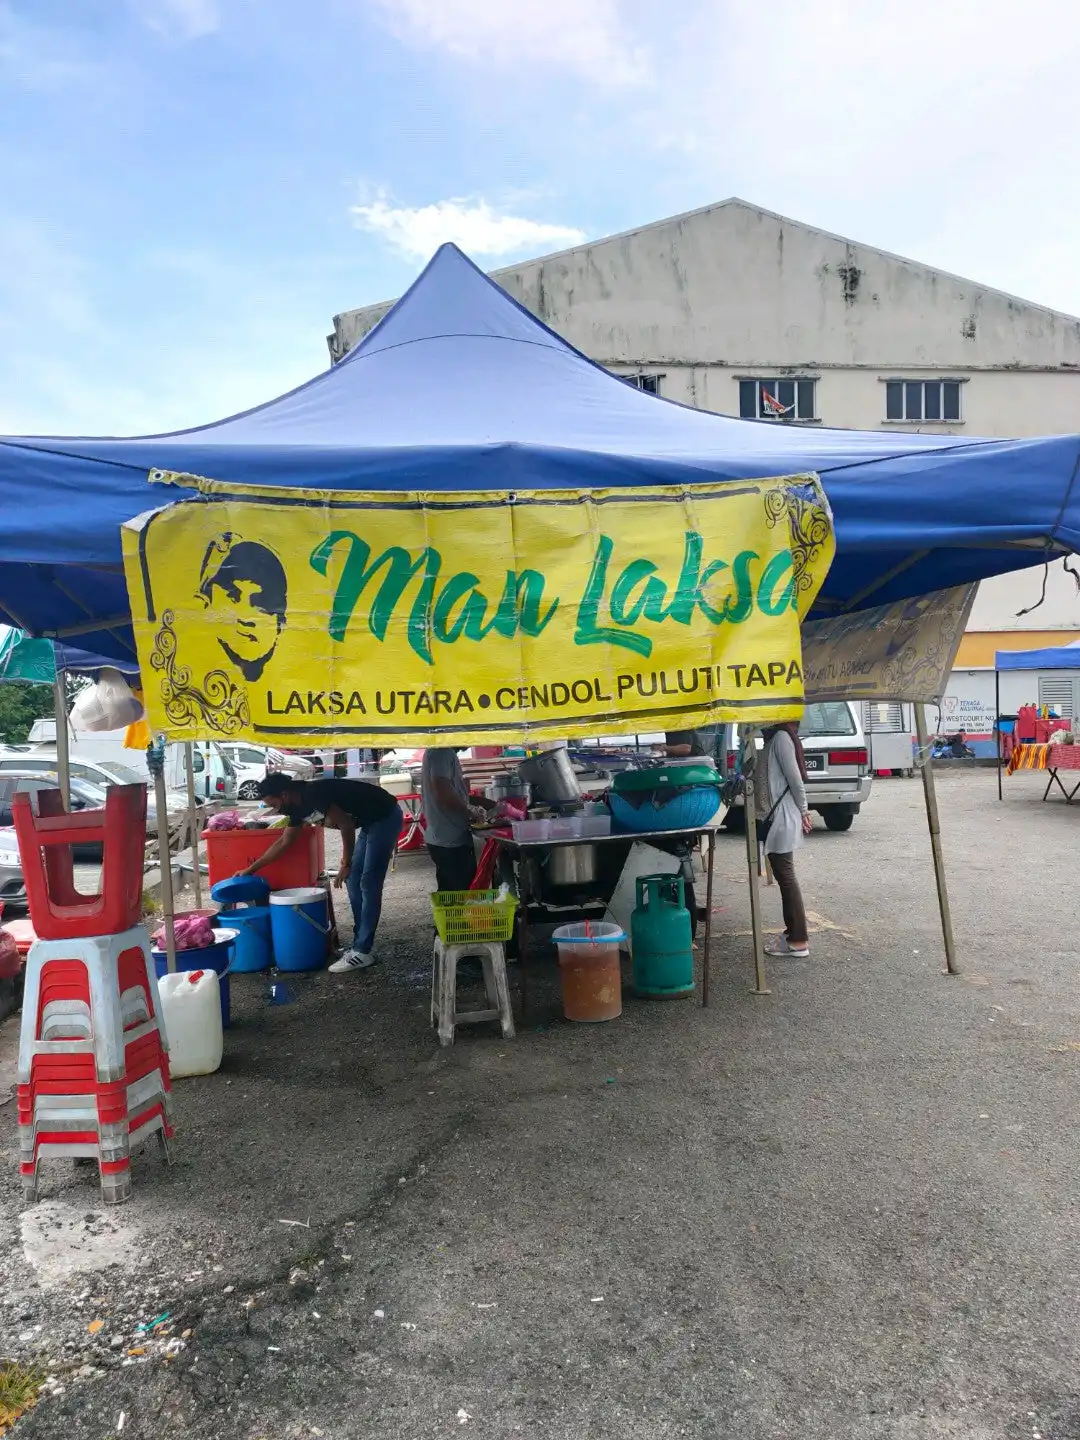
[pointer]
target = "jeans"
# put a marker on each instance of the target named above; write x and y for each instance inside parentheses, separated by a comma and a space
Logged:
(375, 845)
(783, 869)
(455, 866)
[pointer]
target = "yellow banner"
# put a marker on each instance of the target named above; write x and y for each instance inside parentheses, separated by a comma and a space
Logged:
(301, 617)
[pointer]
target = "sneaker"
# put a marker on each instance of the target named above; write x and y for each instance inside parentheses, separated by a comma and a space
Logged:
(780, 947)
(350, 960)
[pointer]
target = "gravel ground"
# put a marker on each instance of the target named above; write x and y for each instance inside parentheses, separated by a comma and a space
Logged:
(845, 1209)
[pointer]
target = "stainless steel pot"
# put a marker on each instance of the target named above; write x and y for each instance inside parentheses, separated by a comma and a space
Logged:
(552, 777)
(509, 786)
(572, 864)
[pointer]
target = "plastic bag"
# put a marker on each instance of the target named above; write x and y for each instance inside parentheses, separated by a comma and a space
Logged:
(191, 932)
(106, 705)
(225, 820)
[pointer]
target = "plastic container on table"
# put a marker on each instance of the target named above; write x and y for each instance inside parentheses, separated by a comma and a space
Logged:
(531, 829)
(214, 957)
(300, 927)
(590, 970)
(191, 1009)
(228, 851)
(592, 825)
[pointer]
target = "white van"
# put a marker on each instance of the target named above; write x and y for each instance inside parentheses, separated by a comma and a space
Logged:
(215, 777)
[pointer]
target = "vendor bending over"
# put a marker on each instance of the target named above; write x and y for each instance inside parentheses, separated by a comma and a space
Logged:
(369, 819)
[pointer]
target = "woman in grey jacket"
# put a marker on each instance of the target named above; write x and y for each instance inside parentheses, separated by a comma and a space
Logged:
(780, 805)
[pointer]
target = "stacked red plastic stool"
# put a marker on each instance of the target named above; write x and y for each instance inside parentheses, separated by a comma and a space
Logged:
(93, 1055)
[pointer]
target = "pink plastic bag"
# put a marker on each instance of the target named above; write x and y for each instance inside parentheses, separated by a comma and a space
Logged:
(192, 932)
(226, 820)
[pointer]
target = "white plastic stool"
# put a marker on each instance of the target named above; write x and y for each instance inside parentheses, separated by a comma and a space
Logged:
(444, 1012)
(109, 1011)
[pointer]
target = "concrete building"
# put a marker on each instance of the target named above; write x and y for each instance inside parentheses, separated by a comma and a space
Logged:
(734, 309)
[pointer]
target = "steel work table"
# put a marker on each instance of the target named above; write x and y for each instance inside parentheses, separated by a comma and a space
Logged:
(521, 849)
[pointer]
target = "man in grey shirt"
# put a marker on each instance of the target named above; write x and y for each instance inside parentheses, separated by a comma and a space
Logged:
(444, 793)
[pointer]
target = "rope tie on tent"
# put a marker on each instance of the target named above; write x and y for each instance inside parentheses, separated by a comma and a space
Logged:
(155, 757)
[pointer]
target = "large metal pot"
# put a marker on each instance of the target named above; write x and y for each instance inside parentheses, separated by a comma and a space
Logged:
(572, 864)
(552, 777)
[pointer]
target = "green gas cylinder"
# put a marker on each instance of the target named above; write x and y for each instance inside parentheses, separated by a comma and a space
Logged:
(662, 938)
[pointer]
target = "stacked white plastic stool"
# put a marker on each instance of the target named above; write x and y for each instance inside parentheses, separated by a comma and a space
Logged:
(93, 1055)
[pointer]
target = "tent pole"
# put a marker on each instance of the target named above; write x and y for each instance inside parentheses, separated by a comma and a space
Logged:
(63, 756)
(997, 723)
(930, 794)
(156, 759)
(189, 767)
(760, 984)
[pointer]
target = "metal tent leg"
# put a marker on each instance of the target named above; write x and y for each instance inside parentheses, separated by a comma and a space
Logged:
(930, 795)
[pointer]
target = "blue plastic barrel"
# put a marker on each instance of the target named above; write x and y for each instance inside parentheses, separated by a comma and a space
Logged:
(300, 927)
(211, 957)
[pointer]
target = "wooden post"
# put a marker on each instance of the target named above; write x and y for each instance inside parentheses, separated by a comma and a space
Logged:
(997, 724)
(750, 749)
(165, 861)
(63, 757)
(930, 795)
(193, 823)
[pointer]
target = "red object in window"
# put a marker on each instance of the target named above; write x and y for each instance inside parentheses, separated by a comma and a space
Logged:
(848, 757)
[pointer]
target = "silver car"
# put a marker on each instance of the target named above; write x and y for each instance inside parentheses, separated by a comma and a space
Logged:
(838, 777)
(102, 773)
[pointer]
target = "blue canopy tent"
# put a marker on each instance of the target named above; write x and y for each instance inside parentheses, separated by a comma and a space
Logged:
(1051, 657)
(459, 387)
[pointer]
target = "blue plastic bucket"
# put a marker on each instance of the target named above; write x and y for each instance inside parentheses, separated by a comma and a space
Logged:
(299, 927)
(254, 946)
(212, 957)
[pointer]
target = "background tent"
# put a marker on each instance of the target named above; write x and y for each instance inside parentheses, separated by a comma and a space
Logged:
(459, 387)
(1052, 657)
(37, 662)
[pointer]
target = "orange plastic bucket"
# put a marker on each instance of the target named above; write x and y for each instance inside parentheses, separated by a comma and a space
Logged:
(590, 970)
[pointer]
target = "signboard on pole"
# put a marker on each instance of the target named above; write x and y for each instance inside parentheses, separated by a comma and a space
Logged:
(293, 616)
(902, 651)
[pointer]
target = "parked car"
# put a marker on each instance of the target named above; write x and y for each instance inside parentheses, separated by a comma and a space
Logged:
(12, 884)
(98, 772)
(838, 780)
(251, 762)
(215, 778)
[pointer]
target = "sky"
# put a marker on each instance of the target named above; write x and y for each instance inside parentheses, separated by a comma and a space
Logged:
(193, 188)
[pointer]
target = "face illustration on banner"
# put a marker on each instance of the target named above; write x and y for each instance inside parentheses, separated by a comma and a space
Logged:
(244, 586)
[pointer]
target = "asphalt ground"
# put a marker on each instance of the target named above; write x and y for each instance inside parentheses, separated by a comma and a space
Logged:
(846, 1209)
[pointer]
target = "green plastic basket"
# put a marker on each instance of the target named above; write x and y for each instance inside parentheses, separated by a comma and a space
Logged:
(462, 916)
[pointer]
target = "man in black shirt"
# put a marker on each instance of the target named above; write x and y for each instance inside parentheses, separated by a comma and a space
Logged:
(682, 744)
(369, 819)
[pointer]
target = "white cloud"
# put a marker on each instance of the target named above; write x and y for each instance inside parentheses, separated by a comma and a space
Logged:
(587, 38)
(178, 19)
(473, 224)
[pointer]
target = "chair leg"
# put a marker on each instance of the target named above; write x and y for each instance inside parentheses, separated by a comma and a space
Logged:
(447, 995)
(498, 987)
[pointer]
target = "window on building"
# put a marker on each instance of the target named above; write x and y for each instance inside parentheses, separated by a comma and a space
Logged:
(933, 400)
(1058, 692)
(789, 399)
(649, 383)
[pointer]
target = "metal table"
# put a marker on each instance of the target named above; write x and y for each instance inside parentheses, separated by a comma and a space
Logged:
(521, 848)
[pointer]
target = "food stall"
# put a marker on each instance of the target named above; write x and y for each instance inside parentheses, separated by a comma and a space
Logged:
(568, 857)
